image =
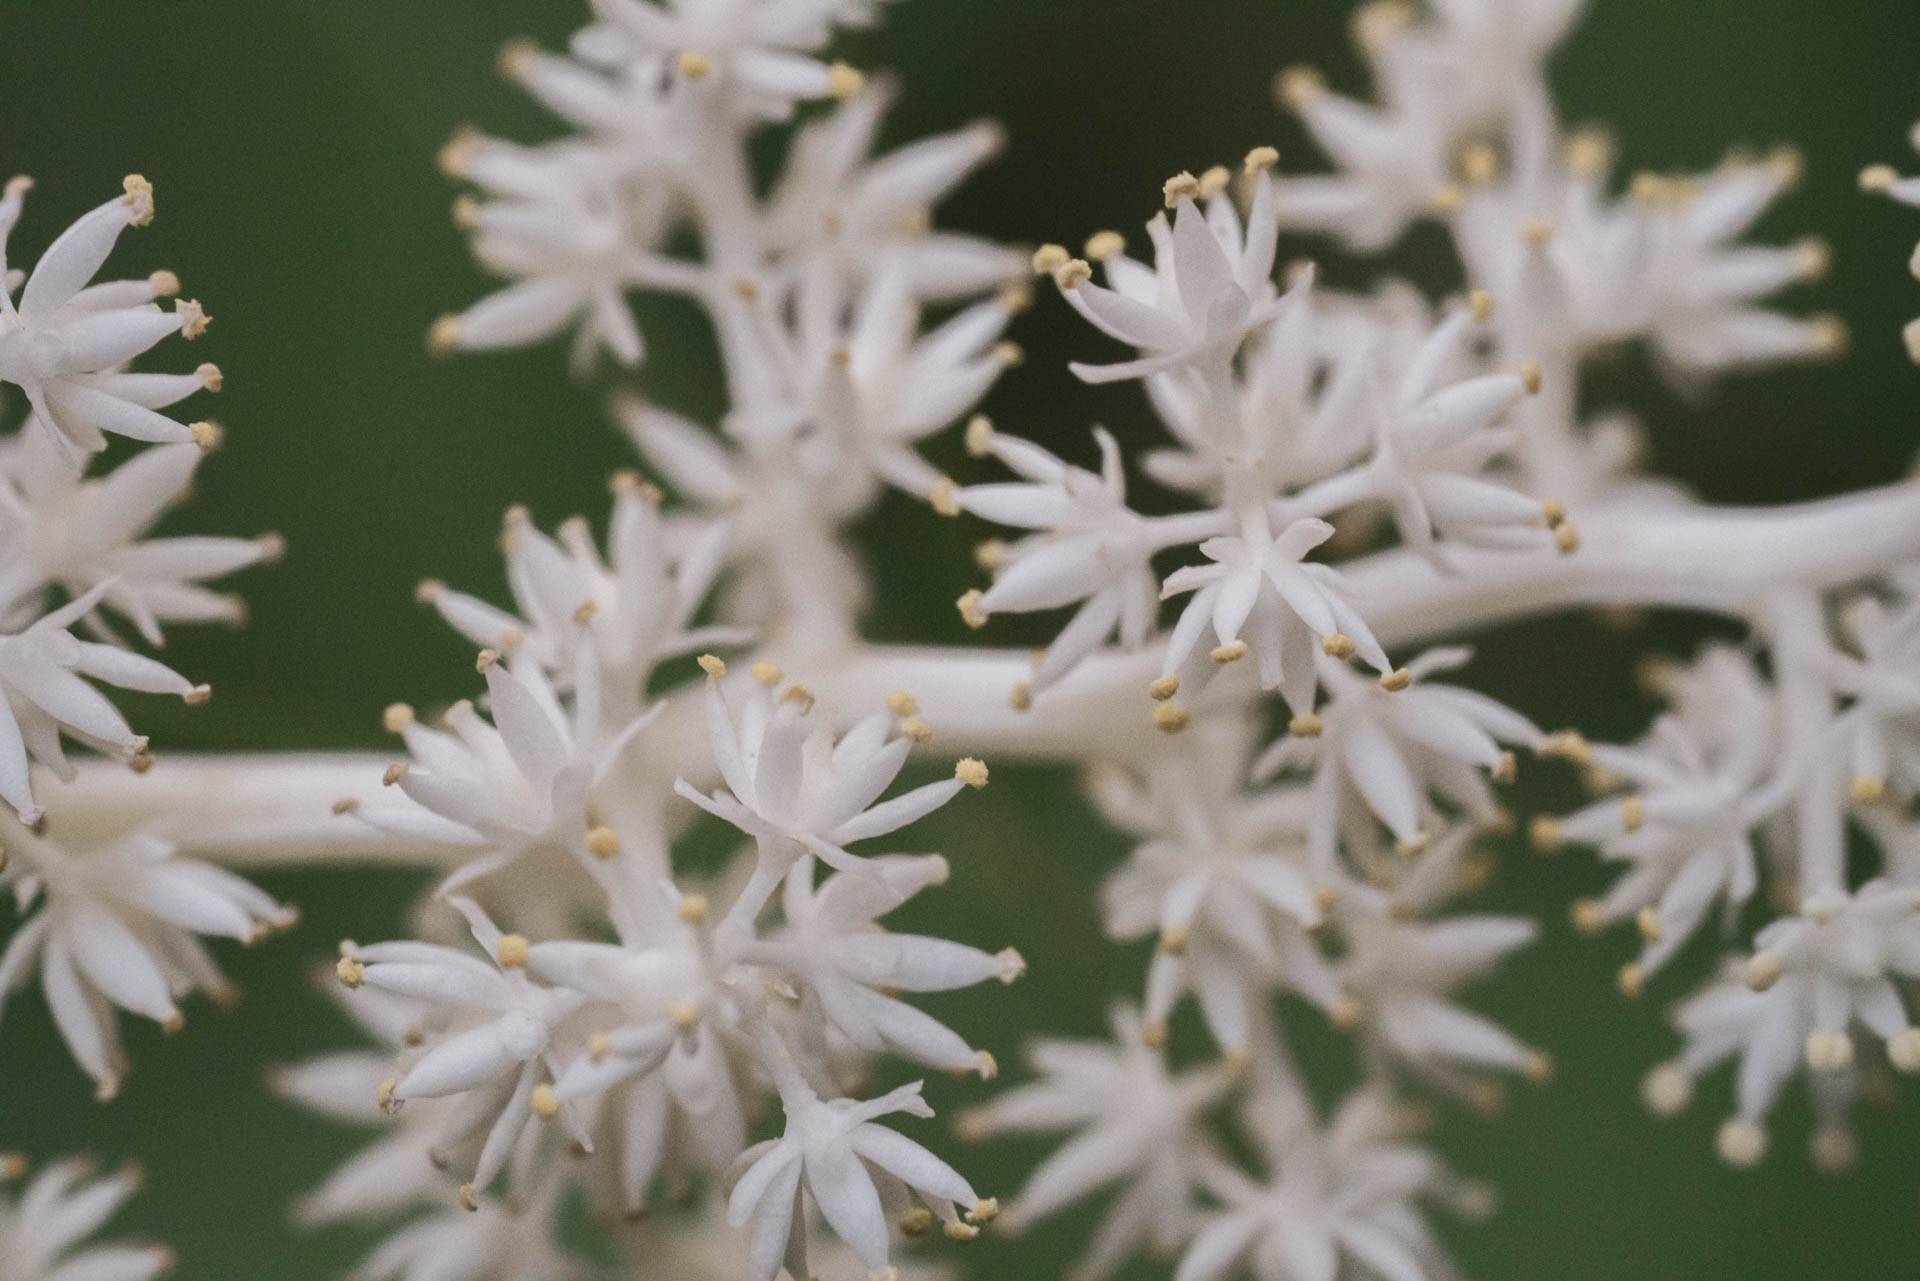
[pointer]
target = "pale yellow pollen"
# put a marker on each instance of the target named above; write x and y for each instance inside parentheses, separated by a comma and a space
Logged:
(979, 436)
(1020, 697)
(18, 185)
(466, 212)
(583, 613)
(712, 666)
(694, 66)
(164, 284)
(984, 1211)
(841, 355)
(970, 611)
(1014, 297)
(1648, 921)
(971, 771)
(140, 762)
(1633, 813)
(986, 1065)
(1589, 915)
(917, 729)
(1169, 719)
(1482, 303)
(901, 703)
(1214, 180)
(443, 337)
(1347, 1012)
(1395, 681)
(457, 154)
(1173, 940)
(350, 972)
(207, 436)
(1787, 166)
(1763, 970)
(1530, 378)
(396, 718)
(1566, 745)
(1566, 540)
(1049, 258)
(1811, 258)
(1072, 272)
(139, 196)
(844, 81)
(959, 1231)
(1587, 154)
(800, 696)
(1829, 1051)
(1102, 245)
(467, 1202)
(428, 590)
(544, 1102)
(1308, 726)
(1546, 834)
(1413, 848)
(486, 660)
(1009, 354)
(684, 1015)
(1505, 769)
(598, 1045)
(693, 909)
(383, 1095)
(1741, 1143)
(394, 773)
(1829, 335)
(512, 951)
(1479, 164)
(944, 497)
(745, 290)
(1632, 980)
(1298, 88)
(1538, 1067)
(1537, 235)
(1153, 1035)
(603, 843)
(1230, 653)
(1553, 512)
(1182, 186)
(916, 1221)
(1337, 645)
(346, 805)
(210, 376)
(1878, 179)
(1164, 688)
(1446, 198)
(765, 673)
(1259, 160)
(518, 59)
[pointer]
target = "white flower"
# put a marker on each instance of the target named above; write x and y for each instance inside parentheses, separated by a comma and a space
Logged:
(637, 603)
(117, 928)
(1209, 287)
(880, 386)
(835, 206)
(1400, 974)
(513, 787)
(1885, 181)
(858, 1173)
(1339, 1200)
(1432, 448)
(498, 1049)
(844, 960)
(79, 534)
(1816, 983)
(495, 1241)
(43, 1229)
(1262, 584)
(64, 344)
(1087, 546)
(754, 53)
(797, 790)
(43, 695)
(1703, 781)
(1882, 726)
(1137, 1124)
(1391, 746)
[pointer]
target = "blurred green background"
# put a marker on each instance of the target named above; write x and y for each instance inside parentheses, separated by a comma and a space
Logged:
(292, 148)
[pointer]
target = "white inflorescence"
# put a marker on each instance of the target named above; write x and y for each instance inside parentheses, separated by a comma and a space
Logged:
(1246, 675)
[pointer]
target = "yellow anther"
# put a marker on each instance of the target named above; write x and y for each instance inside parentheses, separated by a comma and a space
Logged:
(1009, 354)
(694, 66)
(1648, 921)
(394, 773)
(466, 1199)
(1173, 940)
(1878, 179)
(1866, 791)
(712, 666)
(960, 1231)
(985, 1211)
(1530, 378)
(1214, 181)
(206, 435)
(1505, 769)
(1182, 186)
(1811, 258)
(1763, 970)
(1164, 688)
(800, 696)
(1566, 539)
(1589, 915)
(1346, 1013)
(1482, 303)
(1632, 980)
(971, 771)
(1538, 1067)
(944, 497)
(1169, 719)
(164, 284)
(598, 1045)
(1299, 88)
(1049, 258)
(986, 1065)
(1396, 680)
(1259, 160)
(1337, 645)
(765, 673)
(383, 1095)
(693, 909)
(603, 843)
(545, 1103)
(1546, 834)
(970, 611)
(1308, 726)
(979, 436)
(346, 805)
(1633, 813)
(210, 376)
(1446, 198)
(396, 718)
(1230, 653)
(512, 952)
(1102, 245)
(916, 1221)
(684, 1015)
(1153, 1035)
(1479, 164)
(1072, 272)
(1587, 154)
(844, 81)
(350, 972)
(1020, 697)
(917, 729)
(138, 197)
(901, 703)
